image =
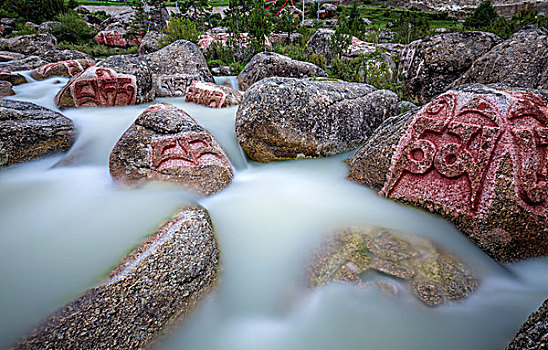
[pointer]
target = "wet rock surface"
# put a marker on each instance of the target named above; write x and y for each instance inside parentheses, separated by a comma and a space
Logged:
(430, 65)
(25, 63)
(13, 78)
(159, 283)
(6, 89)
(115, 81)
(288, 118)
(213, 95)
(270, 64)
(475, 155)
(520, 61)
(176, 66)
(359, 254)
(29, 44)
(150, 42)
(166, 144)
(28, 131)
(533, 334)
(67, 69)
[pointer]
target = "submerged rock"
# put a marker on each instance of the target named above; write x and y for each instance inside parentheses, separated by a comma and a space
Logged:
(159, 283)
(520, 61)
(430, 65)
(67, 69)
(116, 81)
(176, 66)
(166, 144)
(28, 131)
(213, 95)
(13, 78)
(26, 63)
(288, 118)
(475, 155)
(6, 56)
(434, 276)
(533, 334)
(6, 89)
(270, 64)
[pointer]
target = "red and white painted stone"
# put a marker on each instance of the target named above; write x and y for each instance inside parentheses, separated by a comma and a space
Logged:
(98, 87)
(69, 69)
(115, 38)
(454, 146)
(206, 94)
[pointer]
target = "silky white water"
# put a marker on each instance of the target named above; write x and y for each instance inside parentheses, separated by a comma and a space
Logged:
(64, 224)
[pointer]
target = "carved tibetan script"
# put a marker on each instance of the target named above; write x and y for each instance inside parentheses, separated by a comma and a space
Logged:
(205, 95)
(72, 67)
(105, 88)
(448, 152)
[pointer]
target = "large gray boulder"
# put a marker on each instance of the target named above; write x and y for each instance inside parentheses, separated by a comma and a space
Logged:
(520, 61)
(288, 118)
(150, 42)
(430, 65)
(29, 44)
(475, 155)
(28, 131)
(176, 66)
(157, 284)
(270, 64)
(533, 334)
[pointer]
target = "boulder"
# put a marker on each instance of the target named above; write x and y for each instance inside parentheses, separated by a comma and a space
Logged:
(213, 95)
(26, 63)
(81, 9)
(92, 19)
(150, 42)
(520, 61)
(115, 81)
(430, 65)
(433, 275)
(61, 69)
(13, 78)
(47, 26)
(166, 144)
(6, 56)
(52, 56)
(475, 155)
(114, 38)
(288, 118)
(270, 64)
(533, 334)
(284, 37)
(6, 89)
(29, 44)
(159, 283)
(28, 131)
(176, 66)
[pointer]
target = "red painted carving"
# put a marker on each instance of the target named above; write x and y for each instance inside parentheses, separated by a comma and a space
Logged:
(453, 147)
(73, 67)
(205, 94)
(103, 87)
(187, 149)
(115, 38)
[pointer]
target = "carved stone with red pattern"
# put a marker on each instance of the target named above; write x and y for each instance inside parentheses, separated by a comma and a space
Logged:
(477, 155)
(167, 144)
(115, 38)
(67, 69)
(212, 95)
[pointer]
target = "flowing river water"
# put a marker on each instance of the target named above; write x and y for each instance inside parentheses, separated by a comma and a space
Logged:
(65, 224)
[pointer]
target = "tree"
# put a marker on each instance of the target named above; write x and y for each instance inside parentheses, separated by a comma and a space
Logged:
(259, 23)
(138, 24)
(37, 11)
(483, 16)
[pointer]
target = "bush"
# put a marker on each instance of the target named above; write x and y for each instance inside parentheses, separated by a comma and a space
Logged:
(98, 50)
(72, 29)
(36, 11)
(483, 16)
(180, 28)
(318, 59)
(411, 26)
(21, 29)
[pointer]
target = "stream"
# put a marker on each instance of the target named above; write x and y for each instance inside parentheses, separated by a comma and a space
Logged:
(65, 224)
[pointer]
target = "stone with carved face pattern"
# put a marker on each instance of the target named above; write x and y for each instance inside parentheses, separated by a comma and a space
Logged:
(69, 69)
(167, 144)
(477, 155)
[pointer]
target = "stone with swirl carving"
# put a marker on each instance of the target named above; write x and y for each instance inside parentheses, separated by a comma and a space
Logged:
(477, 155)
(166, 144)
(212, 95)
(69, 69)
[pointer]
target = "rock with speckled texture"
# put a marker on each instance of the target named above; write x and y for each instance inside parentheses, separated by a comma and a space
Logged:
(28, 131)
(520, 61)
(430, 65)
(13, 78)
(434, 276)
(158, 284)
(533, 334)
(270, 64)
(150, 42)
(6, 89)
(67, 69)
(33, 44)
(475, 155)
(166, 144)
(288, 118)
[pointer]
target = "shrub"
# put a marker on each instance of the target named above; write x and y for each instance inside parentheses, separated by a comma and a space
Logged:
(180, 28)
(72, 29)
(21, 29)
(36, 11)
(318, 59)
(483, 16)
(98, 50)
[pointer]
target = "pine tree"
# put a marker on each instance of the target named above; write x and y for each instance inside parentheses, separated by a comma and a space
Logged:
(139, 20)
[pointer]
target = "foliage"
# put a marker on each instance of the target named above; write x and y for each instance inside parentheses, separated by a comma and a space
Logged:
(36, 11)
(341, 39)
(180, 28)
(285, 23)
(102, 15)
(98, 50)
(259, 24)
(198, 11)
(411, 26)
(138, 24)
(484, 15)
(318, 59)
(72, 4)
(72, 29)
(21, 29)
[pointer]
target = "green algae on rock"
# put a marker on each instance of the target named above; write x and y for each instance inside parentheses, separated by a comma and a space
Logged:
(155, 286)
(435, 276)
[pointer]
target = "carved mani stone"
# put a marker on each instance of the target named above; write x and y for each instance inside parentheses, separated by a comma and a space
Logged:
(477, 155)
(67, 69)
(166, 144)
(212, 95)
(114, 38)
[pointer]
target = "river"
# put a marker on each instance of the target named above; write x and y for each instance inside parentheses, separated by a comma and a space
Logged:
(65, 224)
